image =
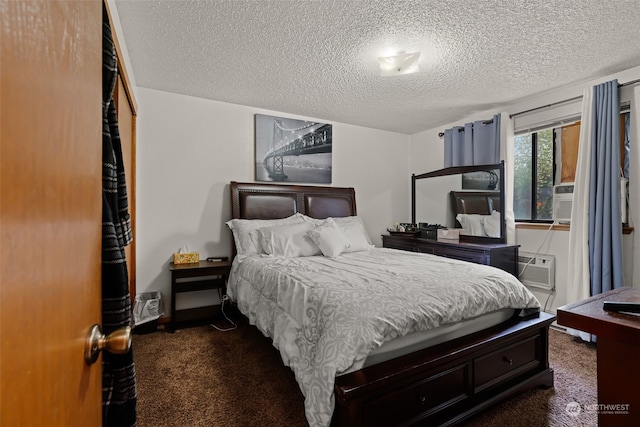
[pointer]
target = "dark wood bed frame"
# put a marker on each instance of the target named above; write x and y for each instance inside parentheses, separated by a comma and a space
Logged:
(441, 385)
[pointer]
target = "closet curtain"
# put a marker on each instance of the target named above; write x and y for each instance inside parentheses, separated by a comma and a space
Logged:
(475, 143)
(118, 372)
(595, 237)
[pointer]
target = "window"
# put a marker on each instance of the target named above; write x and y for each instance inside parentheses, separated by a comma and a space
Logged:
(534, 160)
(547, 157)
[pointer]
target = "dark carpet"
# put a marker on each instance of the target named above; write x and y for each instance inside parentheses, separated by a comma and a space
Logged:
(200, 376)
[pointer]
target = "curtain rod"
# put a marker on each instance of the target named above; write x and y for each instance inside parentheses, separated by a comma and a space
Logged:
(575, 98)
(629, 83)
(461, 129)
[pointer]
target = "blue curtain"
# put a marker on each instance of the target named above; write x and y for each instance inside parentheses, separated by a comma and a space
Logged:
(477, 143)
(605, 225)
(486, 141)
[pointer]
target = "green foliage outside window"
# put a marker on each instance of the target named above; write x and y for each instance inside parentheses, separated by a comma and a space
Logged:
(522, 165)
(544, 190)
(524, 176)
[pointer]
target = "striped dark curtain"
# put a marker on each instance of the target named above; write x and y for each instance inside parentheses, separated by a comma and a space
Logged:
(118, 371)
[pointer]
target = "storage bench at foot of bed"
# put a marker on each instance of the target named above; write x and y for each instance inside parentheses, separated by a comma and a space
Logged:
(450, 382)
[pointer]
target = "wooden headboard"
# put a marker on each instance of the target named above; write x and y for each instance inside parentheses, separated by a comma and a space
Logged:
(273, 201)
(475, 202)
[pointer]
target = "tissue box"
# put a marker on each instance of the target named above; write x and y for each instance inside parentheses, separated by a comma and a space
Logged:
(186, 258)
(449, 233)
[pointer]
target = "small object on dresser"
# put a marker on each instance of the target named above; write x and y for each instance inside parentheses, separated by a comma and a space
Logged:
(429, 231)
(621, 307)
(217, 258)
(449, 234)
(405, 226)
(185, 256)
(394, 232)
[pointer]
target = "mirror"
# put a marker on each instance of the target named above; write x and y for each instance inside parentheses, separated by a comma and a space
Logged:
(475, 192)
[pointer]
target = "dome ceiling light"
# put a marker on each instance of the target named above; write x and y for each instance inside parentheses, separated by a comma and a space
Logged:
(402, 63)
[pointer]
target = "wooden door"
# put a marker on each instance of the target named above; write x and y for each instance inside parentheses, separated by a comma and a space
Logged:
(50, 211)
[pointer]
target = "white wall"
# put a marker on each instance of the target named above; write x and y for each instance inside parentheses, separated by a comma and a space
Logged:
(189, 149)
(427, 153)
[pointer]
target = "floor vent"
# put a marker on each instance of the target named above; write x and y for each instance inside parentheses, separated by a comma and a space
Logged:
(537, 270)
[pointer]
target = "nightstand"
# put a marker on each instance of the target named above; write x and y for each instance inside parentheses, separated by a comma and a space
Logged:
(213, 275)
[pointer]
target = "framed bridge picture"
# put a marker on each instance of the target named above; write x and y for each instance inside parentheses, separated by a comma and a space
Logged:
(291, 150)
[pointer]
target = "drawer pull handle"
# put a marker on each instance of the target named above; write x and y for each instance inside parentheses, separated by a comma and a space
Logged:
(423, 399)
(507, 360)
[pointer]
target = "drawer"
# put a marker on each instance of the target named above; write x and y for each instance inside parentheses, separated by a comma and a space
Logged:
(463, 255)
(426, 249)
(422, 397)
(507, 363)
(398, 243)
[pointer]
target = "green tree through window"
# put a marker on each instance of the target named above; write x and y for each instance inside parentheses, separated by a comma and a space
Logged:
(533, 176)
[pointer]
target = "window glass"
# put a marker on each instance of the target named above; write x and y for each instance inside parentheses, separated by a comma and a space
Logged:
(535, 155)
(523, 155)
(544, 175)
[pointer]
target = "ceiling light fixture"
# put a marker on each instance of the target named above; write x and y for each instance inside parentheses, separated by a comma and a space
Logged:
(402, 63)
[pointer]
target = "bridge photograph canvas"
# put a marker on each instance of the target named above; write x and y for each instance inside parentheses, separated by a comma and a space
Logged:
(291, 150)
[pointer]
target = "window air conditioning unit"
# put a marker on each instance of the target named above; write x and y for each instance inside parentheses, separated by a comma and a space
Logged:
(562, 202)
(537, 271)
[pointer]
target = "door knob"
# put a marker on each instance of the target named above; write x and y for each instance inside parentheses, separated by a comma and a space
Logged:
(117, 342)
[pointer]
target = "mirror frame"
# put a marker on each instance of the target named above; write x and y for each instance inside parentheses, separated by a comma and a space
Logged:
(460, 170)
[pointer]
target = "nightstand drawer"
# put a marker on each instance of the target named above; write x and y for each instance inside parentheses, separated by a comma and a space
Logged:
(418, 398)
(507, 363)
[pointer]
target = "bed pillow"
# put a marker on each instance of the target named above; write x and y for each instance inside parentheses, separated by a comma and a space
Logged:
(328, 237)
(492, 224)
(245, 232)
(472, 222)
(289, 240)
(353, 229)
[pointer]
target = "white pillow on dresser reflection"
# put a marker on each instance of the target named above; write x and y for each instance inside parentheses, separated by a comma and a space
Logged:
(472, 222)
(492, 224)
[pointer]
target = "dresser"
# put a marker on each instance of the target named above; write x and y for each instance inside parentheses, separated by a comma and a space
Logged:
(500, 255)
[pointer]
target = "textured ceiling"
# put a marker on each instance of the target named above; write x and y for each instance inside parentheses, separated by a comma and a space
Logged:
(319, 58)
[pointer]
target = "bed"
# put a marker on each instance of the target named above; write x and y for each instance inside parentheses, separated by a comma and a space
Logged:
(441, 381)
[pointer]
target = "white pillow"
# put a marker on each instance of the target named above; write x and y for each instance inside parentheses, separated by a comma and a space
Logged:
(472, 222)
(329, 238)
(245, 232)
(492, 224)
(288, 240)
(353, 229)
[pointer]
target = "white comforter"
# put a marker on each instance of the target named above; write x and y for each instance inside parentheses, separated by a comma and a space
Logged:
(325, 315)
